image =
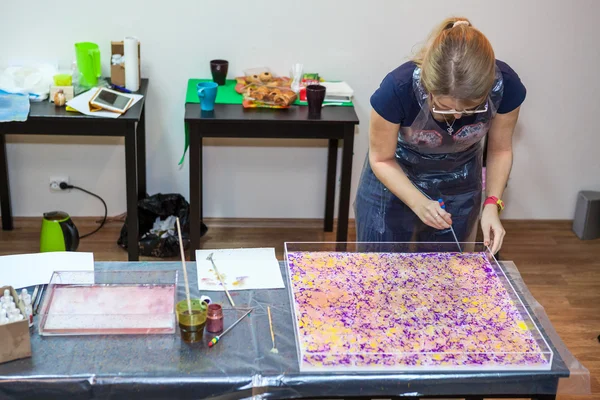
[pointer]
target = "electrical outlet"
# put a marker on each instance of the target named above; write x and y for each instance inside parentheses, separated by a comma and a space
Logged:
(55, 182)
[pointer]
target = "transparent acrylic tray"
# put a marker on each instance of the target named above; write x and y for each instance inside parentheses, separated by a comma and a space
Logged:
(408, 306)
(109, 302)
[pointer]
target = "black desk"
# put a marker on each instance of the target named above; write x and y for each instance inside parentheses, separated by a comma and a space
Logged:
(47, 119)
(228, 121)
(241, 365)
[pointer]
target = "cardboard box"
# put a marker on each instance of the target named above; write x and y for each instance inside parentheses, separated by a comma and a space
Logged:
(117, 72)
(15, 342)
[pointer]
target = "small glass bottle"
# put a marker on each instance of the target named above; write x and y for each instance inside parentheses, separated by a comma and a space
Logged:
(214, 318)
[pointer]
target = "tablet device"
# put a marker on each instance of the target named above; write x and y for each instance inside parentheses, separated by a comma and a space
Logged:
(110, 100)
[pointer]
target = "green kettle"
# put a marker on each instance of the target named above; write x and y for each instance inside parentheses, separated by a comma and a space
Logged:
(88, 63)
(59, 233)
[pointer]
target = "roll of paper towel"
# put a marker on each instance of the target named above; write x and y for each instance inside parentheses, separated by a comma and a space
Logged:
(132, 64)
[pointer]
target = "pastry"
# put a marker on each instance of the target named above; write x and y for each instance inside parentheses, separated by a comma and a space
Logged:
(258, 95)
(274, 92)
(253, 79)
(263, 89)
(280, 100)
(266, 77)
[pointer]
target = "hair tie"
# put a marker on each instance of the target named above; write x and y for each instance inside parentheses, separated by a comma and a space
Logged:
(461, 22)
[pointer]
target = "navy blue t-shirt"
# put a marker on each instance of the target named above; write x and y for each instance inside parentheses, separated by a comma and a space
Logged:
(395, 99)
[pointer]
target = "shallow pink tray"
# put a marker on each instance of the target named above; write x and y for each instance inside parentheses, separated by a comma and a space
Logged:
(91, 308)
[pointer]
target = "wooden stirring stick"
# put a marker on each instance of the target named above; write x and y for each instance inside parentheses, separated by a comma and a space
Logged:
(187, 284)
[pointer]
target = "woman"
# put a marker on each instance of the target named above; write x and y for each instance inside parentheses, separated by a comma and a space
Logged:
(428, 122)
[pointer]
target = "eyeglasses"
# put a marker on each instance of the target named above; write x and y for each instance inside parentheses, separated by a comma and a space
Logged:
(478, 110)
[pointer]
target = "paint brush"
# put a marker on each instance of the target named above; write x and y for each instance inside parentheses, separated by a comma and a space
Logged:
(216, 339)
(210, 257)
(39, 300)
(187, 285)
(34, 295)
(274, 349)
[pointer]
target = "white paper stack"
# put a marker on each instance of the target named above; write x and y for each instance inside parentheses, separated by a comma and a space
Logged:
(24, 270)
(240, 269)
(338, 91)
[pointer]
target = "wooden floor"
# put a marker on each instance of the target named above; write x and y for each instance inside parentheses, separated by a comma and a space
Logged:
(562, 272)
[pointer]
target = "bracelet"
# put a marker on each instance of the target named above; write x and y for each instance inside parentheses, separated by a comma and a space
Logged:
(494, 200)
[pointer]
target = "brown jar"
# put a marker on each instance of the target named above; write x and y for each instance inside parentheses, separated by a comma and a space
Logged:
(214, 319)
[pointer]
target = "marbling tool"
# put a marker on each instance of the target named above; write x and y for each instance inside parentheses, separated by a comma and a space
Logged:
(443, 206)
(210, 257)
(274, 349)
(216, 339)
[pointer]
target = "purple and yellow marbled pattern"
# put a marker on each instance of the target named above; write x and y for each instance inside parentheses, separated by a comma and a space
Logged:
(405, 311)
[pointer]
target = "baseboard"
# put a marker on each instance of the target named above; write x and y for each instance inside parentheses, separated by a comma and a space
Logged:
(296, 223)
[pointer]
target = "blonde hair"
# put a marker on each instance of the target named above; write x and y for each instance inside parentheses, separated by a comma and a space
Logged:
(457, 61)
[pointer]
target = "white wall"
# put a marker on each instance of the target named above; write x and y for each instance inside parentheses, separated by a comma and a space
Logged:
(551, 44)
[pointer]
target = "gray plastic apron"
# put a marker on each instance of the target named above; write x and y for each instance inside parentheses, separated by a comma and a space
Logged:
(442, 164)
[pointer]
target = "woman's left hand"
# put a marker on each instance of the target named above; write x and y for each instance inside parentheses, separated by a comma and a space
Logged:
(493, 231)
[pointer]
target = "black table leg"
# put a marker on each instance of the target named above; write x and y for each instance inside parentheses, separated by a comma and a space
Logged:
(141, 155)
(330, 189)
(132, 195)
(347, 153)
(195, 189)
(5, 208)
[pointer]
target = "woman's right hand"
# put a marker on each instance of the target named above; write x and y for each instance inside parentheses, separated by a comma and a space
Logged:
(432, 214)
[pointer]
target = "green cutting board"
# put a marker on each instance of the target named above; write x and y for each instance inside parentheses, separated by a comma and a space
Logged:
(227, 94)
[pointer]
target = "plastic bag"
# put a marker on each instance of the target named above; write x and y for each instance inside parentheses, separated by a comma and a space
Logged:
(34, 81)
(263, 96)
(155, 240)
(260, 76)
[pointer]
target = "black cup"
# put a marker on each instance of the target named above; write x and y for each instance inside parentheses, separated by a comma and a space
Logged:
(218, 69)
(315, 94)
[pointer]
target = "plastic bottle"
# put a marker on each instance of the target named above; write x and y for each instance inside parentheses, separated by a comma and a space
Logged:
(75, 77)
(29, 311)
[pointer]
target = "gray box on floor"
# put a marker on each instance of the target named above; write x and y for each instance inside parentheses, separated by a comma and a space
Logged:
(586, 223)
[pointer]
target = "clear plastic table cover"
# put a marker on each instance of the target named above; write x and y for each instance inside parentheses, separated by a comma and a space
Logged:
(242, 365)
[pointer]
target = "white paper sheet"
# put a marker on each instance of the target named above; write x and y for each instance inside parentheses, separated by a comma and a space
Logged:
(22, 270)
(241, 269)
(82, 104)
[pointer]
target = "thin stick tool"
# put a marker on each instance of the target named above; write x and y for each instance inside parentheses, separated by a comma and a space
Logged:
(210, 257)
(216, 339)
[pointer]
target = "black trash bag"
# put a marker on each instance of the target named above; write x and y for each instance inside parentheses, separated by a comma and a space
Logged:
(163, 206)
